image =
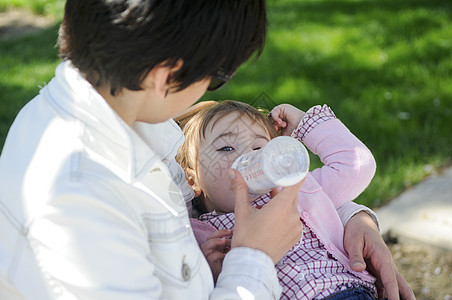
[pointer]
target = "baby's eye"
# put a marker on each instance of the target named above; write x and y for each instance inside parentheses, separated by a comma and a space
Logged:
(257, 148)
(226, 148)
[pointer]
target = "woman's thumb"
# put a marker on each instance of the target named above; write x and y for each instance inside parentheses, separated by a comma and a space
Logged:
(240, 190)
(356, 259)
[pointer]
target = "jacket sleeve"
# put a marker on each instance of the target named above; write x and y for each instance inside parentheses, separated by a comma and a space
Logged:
(247, 274)
(349, 166)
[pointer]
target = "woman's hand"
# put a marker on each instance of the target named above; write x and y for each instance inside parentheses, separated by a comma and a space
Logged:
(286, 118)
(366, 248)
(215, 248)
(272, 229)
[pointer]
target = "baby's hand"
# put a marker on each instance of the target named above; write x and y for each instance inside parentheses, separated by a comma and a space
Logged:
(215, 248)
(286, 118)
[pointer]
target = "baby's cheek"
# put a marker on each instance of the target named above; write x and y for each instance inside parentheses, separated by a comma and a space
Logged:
(224, 196)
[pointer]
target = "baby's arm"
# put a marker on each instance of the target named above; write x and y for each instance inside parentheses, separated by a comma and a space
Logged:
(349, 165)
(215, 249)
(214, 244)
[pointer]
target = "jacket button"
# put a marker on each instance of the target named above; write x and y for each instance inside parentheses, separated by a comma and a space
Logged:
(186, 272)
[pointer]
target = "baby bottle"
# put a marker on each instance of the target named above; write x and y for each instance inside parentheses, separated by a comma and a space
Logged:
(283, 161)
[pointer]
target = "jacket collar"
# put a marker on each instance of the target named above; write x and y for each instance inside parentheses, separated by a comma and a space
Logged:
(131, 152)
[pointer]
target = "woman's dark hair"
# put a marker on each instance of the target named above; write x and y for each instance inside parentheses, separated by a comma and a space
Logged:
(116, 43)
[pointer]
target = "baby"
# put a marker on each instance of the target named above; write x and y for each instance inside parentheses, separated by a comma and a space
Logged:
(317, 266)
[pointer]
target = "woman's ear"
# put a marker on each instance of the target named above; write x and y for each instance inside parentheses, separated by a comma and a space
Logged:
(193, 182)
(159, 78)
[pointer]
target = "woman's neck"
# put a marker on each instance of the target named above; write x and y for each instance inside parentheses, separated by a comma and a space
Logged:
(126, 103)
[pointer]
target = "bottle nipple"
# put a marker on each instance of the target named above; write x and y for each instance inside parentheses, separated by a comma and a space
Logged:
(286, 161)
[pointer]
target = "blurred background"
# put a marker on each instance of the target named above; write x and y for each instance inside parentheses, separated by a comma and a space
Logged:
(384, 67)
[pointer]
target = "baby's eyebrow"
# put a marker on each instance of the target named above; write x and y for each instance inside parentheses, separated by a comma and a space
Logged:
(228, 134)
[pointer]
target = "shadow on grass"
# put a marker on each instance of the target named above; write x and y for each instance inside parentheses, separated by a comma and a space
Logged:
(331, 13)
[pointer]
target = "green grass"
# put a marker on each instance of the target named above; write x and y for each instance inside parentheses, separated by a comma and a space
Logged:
(385, 67)
(52, 8)
(26, 64)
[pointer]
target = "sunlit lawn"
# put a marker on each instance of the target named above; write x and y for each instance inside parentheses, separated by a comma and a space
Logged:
(43, 7)
(385, 67)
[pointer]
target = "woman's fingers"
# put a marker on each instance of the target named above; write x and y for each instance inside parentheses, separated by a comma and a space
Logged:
(240, 190)
(362, 240)
(274, 228)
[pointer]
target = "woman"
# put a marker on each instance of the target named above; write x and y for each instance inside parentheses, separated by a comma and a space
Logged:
(88, 206)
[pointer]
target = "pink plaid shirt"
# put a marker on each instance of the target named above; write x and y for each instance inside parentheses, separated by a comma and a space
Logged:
(311, 270)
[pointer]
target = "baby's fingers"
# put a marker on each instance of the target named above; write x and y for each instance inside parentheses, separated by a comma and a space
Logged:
(215, 245)
(277, 119)
(216, 257)
(220, 233)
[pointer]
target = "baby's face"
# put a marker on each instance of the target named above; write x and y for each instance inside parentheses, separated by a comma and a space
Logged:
(225, 140)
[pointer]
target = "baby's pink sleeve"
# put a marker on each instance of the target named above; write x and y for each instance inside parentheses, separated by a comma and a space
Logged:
(201, 230)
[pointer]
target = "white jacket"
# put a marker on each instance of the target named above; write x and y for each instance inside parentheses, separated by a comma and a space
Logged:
(89, 209)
